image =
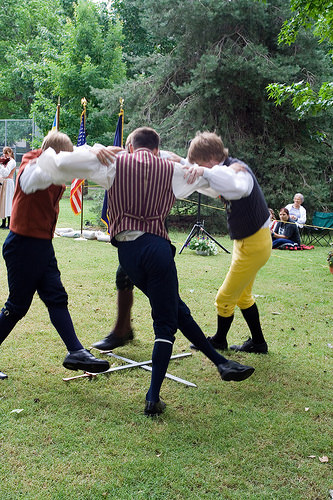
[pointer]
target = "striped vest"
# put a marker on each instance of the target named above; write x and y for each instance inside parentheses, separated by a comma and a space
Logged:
(141, 195)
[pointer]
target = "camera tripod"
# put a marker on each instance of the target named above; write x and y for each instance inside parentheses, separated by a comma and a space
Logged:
(198, 230)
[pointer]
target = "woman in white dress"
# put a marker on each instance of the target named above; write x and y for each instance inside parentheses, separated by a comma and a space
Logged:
(7, 170)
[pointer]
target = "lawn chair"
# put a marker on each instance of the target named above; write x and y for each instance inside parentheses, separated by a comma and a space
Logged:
(321, 230)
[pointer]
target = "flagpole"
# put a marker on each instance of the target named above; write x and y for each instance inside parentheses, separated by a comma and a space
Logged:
(84, 104)
(121, 113)
(117, 141)
(58, 113)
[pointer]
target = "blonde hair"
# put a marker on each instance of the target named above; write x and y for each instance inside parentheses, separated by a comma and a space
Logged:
(8, 151)
(57, 141)
(207, 146)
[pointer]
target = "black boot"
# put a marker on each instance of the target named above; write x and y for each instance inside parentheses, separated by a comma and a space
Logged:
(231, 370)
(3, 225)
(152, 408)
(219, 341)
(112, 341)
(84, 360)
(250, 346)
(3, 376)
(257, 343)
(8, 219)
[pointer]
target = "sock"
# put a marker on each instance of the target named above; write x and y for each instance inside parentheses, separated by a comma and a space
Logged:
(62, 322)
(223, 326)
(123, 322)
(7, 323)
(192, 331)
(251, 316)
(160, 357)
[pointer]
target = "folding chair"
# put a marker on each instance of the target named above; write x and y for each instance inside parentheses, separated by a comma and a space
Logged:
(321, 231)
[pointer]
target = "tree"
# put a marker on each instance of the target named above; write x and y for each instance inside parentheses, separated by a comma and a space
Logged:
(91, 57)
(48, 54)
(306, 95)
(215, 78)
(29, 32)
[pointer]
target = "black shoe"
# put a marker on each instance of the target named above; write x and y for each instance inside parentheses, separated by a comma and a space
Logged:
(84, 360)
(112, 341)
(3, 376)
(222, 346)
(250, 346)
(231, 370)
(152, 408)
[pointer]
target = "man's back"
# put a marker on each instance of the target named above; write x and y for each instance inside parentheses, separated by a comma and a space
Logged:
(141, 195)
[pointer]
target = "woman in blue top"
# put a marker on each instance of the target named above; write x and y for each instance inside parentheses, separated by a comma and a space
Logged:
(286, 231)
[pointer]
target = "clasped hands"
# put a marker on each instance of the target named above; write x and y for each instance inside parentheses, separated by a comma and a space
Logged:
(107, 155)
(193, 172)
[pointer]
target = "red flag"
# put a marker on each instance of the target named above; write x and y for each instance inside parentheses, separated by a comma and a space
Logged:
(76, 195)
(76, 186)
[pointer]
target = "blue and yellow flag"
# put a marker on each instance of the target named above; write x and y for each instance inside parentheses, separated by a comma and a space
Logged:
(117, 141)
(55, 125)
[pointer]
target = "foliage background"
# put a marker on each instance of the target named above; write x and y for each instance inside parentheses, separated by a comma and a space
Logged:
(194, 65)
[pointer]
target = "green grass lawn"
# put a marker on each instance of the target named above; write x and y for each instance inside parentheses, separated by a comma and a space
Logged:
(258, 439)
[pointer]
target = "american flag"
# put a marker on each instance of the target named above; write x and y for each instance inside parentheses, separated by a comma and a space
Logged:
(76, 186)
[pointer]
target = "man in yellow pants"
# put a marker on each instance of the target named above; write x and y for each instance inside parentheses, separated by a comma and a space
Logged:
(248, 225)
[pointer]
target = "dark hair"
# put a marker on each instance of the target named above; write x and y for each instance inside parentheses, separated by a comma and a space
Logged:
(145, 137)
(285, 210)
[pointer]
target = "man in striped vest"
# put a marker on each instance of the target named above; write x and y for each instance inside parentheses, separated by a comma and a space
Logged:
(140, 198)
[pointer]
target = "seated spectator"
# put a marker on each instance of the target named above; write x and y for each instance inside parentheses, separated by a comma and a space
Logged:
(286, 231)
(273, 220)
(297, 213)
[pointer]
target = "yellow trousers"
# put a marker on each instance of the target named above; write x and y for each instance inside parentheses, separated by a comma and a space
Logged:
(249, 255)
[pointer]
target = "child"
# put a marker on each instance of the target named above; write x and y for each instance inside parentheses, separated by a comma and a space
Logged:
(272, 220)
(30, 259)
(248, 224)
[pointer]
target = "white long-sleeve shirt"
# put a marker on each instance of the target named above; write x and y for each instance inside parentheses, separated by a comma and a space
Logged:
(5, 170)
(300, 213)
(230, 184)
(51, 168)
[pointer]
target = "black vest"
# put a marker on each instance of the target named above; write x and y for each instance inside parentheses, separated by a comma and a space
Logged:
(247, 215)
